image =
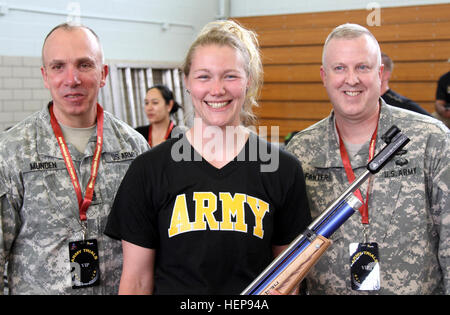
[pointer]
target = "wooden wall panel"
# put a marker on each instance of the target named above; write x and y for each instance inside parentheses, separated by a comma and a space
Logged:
(294, 109)
(293, 92)
(417, 38)
(292, 73)
(417, 91)
(407, 15)
(389, 33)
(418, 71)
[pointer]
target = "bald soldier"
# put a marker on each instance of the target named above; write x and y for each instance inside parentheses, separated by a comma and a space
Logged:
(59, 172)
(399, 243)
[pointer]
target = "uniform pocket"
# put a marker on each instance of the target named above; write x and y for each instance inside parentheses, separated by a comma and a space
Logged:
(50, 200)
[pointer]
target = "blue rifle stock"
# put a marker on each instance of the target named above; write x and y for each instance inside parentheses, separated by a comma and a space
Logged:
(293, 264)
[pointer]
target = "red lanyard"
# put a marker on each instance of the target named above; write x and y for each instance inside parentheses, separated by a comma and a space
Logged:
(364, 209)
(83, 203)
(169, 130)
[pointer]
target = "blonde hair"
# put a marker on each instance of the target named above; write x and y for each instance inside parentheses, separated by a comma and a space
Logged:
(230, 33)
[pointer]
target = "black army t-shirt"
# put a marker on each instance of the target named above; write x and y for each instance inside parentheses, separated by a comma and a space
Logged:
(212, 229)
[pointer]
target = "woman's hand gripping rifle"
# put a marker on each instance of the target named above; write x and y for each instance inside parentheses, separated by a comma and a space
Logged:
(294, 263)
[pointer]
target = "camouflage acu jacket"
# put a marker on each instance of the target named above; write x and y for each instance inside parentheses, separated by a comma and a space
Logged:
(39, 212)
(409, 210)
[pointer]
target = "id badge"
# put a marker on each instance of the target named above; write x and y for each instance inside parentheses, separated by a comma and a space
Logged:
(364, 266)
(84, 266)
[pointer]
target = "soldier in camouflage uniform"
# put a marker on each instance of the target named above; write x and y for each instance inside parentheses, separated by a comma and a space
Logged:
(39, 211)
(408, 207)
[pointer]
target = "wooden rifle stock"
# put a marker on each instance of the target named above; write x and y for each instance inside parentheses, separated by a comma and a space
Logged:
(296, 271)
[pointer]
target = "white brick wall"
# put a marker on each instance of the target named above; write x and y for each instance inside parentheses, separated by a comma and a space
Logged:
(22, 90)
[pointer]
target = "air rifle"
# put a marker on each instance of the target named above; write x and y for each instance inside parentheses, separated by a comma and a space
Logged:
(294, 263)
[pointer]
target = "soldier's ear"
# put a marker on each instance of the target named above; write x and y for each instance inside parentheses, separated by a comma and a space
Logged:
(105, 71)
(45, 77)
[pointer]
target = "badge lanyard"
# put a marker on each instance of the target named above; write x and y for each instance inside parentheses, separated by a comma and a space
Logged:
(364, 257)
(364, 210)
(83, 203)
(169, 130)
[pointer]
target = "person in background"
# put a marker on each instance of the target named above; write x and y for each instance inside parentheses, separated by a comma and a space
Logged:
(391, 97)
(159, 105)
(59, 172)
(399, 242)
(202, 214)
(442, 104)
